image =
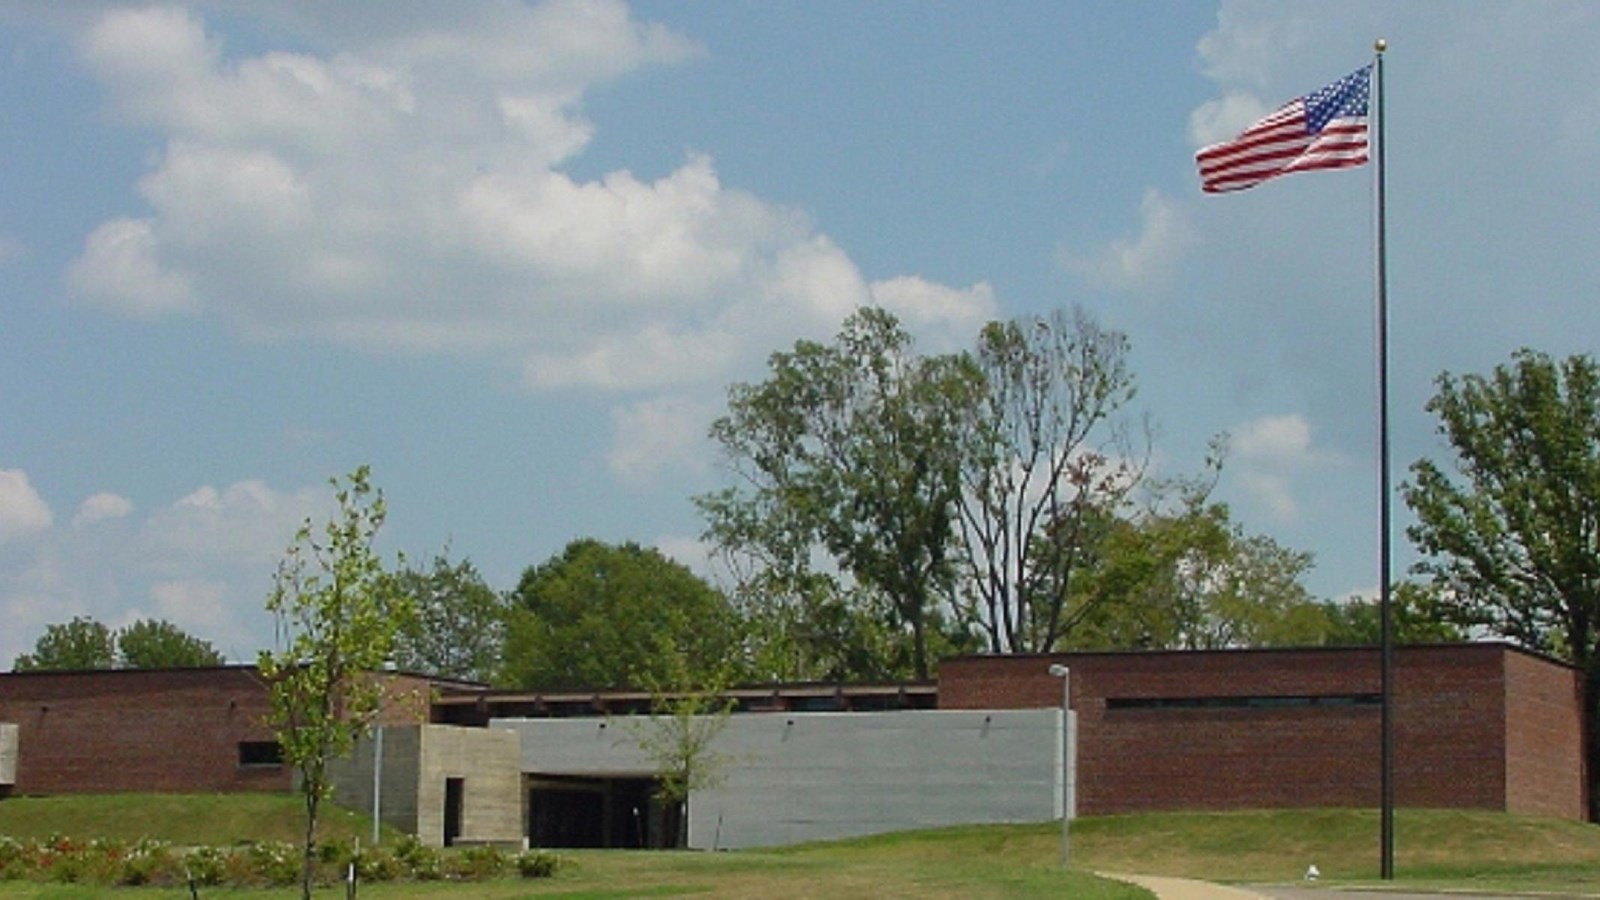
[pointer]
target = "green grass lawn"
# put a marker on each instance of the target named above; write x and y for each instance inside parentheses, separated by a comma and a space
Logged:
(1447, 849)
(1450, 848)
(186, 819)
(927, 865)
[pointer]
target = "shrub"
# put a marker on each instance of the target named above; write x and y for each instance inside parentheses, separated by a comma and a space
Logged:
(269, 864)
(206, 866)
(418, 859)
(335, 851)
(378, 864)
(476, 863)
(148, 863)
(537, 863)
(13, 857)
(272, 863)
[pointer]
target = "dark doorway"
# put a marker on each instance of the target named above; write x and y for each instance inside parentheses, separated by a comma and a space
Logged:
(454, 789)
(571, 812)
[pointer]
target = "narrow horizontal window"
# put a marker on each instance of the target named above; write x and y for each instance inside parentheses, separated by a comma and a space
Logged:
(260, 753)
(1244, 702)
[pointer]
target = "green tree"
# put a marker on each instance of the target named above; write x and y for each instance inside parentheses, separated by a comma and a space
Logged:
(159, 644)
(850, 449)
(689, 708)
(812, 628)
(82, 643)
(337, 619)
(1414, 618)
(598, 615)
(1045, 460)
(1512, 539)
(1190, 578)
(459, 627)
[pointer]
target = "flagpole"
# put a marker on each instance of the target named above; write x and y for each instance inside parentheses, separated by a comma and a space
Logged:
(1386, 828)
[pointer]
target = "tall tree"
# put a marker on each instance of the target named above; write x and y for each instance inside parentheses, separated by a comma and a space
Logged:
(1046, 460)
(849, 449)
(82, 643)
(337, 619)
(159, 644)
(598, 616)
(816, 629)
(1188, 577)
(1513, 539)
(460, 622)
(1414, 618)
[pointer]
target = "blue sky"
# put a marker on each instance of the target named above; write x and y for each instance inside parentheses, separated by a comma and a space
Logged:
(510, 255)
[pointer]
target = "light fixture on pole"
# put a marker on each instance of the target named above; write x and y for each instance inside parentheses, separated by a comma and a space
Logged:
(1062, 672)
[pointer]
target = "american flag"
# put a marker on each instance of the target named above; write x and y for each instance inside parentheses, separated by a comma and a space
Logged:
(1326, 129)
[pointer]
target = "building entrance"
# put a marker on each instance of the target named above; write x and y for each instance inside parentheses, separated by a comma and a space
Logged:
(618, 813)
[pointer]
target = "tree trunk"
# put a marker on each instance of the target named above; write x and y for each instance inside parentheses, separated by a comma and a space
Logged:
(308, 861)
(919, 647)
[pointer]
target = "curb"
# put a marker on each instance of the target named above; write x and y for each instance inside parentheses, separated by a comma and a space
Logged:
(1184, 888)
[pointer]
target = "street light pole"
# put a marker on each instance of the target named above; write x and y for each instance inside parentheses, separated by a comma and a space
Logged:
(1062, 672)
(377, 786)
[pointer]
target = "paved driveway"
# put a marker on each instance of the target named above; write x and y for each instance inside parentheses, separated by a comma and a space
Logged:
(1186, 889)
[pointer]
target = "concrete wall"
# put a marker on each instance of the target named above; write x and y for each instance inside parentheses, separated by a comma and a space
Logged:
(417, 760)
(487, 760)
(8, 755)
(810, 776)
(401, 755)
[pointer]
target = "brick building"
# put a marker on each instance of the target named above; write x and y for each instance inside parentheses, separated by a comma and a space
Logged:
(203, 730)
(1479, 726)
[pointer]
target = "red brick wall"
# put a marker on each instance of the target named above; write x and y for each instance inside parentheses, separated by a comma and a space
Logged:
(160, 730)
(1450, 727)
(163, 730)
(1544, 745)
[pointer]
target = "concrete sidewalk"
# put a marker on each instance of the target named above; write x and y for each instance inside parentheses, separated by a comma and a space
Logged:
(1185, 889)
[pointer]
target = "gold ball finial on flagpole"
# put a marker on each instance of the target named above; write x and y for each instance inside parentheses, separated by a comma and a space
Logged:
(1380, 45)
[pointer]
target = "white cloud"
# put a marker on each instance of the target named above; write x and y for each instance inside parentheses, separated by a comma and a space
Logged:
(1145, 261)
(653, 435)
(203, 561)
(1271, 451)
(651, 356)
(1273, 493)
(102, 507)
(565, 43)
(1221, 119)
(402, 195)
(200, 607)
(949, 317)
(689, 551)
(244, 524)
(22, 510)
(1253, 41)
(1277, 440)
(631, 244)
(119, 269)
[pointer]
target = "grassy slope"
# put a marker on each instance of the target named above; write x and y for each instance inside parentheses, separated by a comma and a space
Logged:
(1458, 848)
(216, 819)
(1278, 846)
